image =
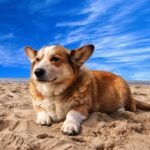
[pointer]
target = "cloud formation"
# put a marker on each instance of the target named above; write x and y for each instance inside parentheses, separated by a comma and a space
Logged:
(111, 29)
(119, 30)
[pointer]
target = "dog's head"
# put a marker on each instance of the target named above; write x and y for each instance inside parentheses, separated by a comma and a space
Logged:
(56, 63)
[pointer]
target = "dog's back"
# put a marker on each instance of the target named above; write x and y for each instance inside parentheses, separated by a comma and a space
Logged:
(110, 92)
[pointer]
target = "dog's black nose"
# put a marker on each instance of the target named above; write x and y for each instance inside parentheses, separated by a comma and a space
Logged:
(39, 72)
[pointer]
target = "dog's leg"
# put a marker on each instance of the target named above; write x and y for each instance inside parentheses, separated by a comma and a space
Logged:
(74, 119)
(43, 117)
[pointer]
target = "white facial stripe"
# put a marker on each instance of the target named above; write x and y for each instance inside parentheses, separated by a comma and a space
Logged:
(46, 51)
(49, 50)
(41, 64)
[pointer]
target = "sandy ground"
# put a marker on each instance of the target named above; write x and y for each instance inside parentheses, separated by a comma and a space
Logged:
(118, 131)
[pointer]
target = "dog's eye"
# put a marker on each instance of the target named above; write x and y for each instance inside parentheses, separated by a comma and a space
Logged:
(55, 59)
(37, 59)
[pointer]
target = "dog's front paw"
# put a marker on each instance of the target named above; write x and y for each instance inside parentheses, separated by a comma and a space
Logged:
(70, 127)
(43, 118)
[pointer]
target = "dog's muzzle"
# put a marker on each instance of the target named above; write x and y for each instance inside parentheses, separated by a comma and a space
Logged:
(41, 75)
(39, 72)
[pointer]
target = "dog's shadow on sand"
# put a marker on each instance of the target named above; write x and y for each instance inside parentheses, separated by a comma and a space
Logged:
(126, 120)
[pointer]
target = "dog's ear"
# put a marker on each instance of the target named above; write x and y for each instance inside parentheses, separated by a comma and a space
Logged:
(80, 55)
(31, 53)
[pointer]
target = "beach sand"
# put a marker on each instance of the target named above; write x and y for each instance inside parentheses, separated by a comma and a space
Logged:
(117, 131)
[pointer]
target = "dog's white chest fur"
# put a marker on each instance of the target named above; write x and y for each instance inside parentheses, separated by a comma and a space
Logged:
(52, 104)
(49, 90)
(54, 108)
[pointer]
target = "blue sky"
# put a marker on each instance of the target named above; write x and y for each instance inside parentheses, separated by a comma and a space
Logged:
(119, 29)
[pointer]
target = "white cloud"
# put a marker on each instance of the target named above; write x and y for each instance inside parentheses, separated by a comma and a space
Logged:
(136, 58)
(42, 6)
(140, 75)
(110, 39)
(97, 66)
(102, 26)
(95, 9)
(12, 57)
(126, 10)
(6, 36)
(109, 35)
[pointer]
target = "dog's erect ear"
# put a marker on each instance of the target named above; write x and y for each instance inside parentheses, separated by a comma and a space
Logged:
(31, 53)
(80, 55)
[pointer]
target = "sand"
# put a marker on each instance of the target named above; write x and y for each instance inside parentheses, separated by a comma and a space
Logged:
(118, 131)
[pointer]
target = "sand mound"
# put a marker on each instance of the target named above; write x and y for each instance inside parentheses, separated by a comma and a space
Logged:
(118, 131)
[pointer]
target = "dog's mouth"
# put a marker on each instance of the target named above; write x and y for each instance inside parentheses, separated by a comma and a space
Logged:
(45, 80)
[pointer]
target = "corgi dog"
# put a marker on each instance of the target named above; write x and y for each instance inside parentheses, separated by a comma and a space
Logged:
(64, 90)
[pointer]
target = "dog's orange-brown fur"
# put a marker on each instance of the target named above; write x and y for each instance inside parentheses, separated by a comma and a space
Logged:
(83, 91)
